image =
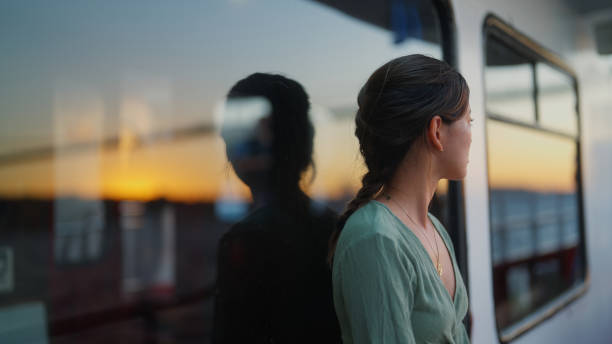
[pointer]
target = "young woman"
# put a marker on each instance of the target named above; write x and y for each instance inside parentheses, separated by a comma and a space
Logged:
(395, 277)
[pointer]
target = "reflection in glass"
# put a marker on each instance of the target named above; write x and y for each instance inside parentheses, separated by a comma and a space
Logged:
(273, 280)
(556, 100)
(78, 221)
(6, 269)
(115, 188)
(148, 244)
(535, 231)
(24, 323)
(509, 83)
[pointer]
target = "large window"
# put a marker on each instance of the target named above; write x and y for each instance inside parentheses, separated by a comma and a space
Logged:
(115, 187)
(533, 144)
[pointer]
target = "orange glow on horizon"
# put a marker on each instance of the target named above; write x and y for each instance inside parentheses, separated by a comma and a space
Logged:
(196, 170)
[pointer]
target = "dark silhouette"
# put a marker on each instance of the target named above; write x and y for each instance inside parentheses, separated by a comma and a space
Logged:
(273, 284)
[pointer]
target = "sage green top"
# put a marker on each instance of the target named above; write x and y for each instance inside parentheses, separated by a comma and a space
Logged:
(386, 288)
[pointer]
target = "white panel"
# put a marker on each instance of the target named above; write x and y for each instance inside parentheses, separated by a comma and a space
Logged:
(551, 24)
(24, 323)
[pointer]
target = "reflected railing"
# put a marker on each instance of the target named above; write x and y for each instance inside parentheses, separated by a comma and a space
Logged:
(535, 239)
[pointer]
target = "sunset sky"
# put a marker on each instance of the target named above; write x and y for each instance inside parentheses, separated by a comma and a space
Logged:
(196, 168)
(88, 73)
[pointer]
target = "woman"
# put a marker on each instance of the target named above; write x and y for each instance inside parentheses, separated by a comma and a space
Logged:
(395, 277)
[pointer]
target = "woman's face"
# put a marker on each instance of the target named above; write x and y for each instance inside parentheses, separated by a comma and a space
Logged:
(457, 141)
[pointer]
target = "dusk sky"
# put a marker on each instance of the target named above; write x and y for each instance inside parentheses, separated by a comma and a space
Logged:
(84, 72)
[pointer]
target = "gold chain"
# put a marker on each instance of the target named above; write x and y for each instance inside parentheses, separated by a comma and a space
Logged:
(438, 265)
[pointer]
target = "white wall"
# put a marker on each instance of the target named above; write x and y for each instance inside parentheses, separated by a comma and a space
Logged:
(553, 25)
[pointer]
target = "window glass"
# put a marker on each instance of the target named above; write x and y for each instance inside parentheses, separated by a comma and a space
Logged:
(535, 231)
(556, 100)
(537, 245)
(115, 184)
(508, 83)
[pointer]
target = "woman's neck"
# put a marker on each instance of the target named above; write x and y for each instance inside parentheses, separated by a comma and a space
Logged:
(413, 186)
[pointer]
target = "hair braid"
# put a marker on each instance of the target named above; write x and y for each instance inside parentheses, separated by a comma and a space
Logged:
(371, 184)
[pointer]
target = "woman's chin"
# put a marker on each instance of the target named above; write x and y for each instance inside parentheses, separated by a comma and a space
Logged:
(459, 175)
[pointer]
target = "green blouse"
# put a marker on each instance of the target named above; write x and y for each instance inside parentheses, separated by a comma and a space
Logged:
(386, 288)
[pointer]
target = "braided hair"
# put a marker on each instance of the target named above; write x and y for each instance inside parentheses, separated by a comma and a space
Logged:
(396, 105)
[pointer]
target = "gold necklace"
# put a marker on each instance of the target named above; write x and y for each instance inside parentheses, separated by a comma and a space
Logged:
(438, 265)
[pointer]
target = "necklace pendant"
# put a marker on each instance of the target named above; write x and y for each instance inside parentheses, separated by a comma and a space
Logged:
(439, 268)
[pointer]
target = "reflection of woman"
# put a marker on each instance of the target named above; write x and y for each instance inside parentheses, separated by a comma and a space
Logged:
(274, 285)
(395, 277)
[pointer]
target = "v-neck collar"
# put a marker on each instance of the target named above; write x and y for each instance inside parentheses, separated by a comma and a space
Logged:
(439, 278)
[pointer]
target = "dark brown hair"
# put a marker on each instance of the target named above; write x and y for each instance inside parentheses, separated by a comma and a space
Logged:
(396, 105)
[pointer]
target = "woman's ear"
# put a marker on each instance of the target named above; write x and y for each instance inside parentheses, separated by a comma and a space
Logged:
(434, 133)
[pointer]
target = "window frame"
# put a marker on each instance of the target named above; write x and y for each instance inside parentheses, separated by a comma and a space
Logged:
(495, 28)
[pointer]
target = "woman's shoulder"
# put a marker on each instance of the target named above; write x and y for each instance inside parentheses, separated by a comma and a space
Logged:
(370, 222)
(372, 238)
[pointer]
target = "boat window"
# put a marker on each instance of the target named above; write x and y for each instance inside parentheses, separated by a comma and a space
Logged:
(535, 199)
